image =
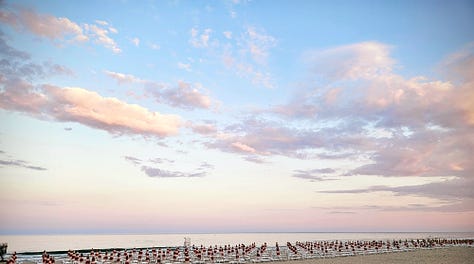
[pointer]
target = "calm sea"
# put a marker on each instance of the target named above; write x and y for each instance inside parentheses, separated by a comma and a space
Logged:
(36, 243)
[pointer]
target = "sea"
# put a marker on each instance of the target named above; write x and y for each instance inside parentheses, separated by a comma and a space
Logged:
(38, 243)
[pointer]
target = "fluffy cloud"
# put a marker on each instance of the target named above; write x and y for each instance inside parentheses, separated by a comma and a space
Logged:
(361, 111)
(59, 28)
(88, 108)
(43, 25)
(72, 104)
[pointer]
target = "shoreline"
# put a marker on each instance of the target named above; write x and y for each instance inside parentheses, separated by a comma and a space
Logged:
(454, 254)
(325, 251)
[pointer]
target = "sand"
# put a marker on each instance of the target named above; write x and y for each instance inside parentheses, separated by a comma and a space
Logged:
(452, 255)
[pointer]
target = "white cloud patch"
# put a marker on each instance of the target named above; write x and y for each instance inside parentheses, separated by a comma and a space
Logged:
(184, 66)
(227, 34)
(100, 35)
(200, 39)
(136, 42)
(258, 44)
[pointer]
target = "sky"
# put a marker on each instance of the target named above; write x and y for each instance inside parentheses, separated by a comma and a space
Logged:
(236, 116)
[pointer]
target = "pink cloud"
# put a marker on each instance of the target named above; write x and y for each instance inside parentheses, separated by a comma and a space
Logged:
(122, 78)
(200, 40)
(241, 147)
(88, 108)
(101, 36)
(187, 94)
(43, 25)
(355, 61)
(183, 95)
(60, 28)
(203, 129)
(258, 44)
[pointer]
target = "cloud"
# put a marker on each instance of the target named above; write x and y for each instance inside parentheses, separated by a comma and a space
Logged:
(21, 164)
(314, 174)
(227, 34)
(122, 78)
(263, 138)
(203, 129)
(198, 40)
(184, 66)
(247, 55)
(135, 161)
(101, 36)
(355, 61)
(59, 28)
(360, 111)
(258, 44)
(154, 46)
(87, 108)
(455, 194)
(18, 163)
(154, 172)
(159, 173)
(136, 41)
(15, 64)
(183, 95)
(255, 159)
(43, 25)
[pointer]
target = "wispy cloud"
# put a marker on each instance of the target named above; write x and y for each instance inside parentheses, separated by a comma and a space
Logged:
(258, 43)
(150, 169)
(203, 129)
(136, 41)
(9, 162)
(184, 66)
(314, 174)
(200, 39)
(159, 173)
(122, 78)
(20, 164)
(101, 36)
(183, 95)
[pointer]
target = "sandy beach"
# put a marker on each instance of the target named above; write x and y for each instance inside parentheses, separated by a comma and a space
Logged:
(452, 255)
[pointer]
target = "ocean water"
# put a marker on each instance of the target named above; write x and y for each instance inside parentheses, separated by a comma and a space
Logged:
(38, 243)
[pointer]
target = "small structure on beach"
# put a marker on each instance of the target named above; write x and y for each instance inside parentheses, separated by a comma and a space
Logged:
(3, 250)
(187, 242)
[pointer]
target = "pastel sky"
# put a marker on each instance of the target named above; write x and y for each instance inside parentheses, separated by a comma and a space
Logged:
(230, 116)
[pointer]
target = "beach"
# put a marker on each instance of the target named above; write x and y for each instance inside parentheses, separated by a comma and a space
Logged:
(452, 255)
(428, 250)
